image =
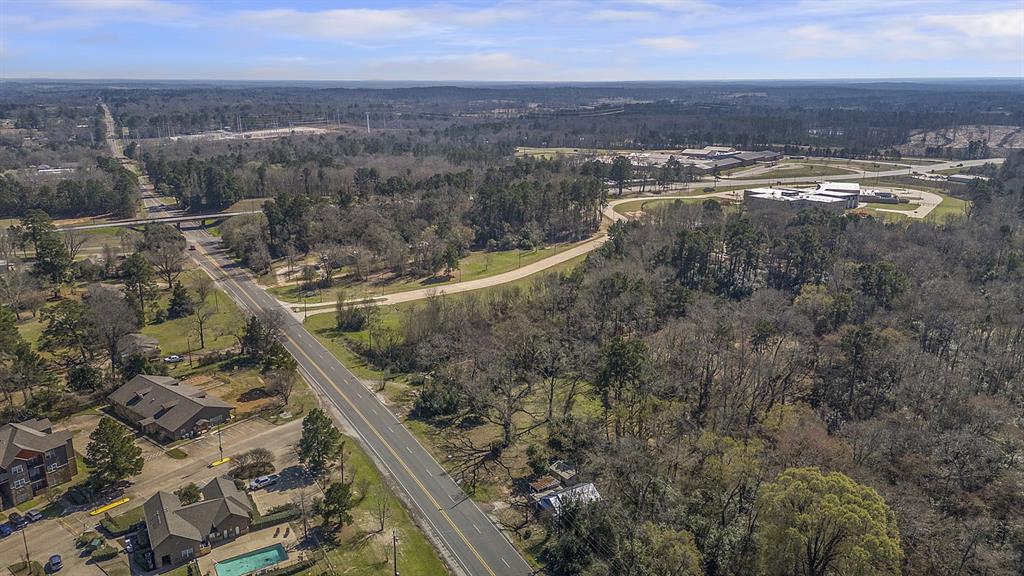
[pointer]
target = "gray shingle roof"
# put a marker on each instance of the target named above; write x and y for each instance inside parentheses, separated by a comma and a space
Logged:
(165, 516)
(32, 435)
(164, 400)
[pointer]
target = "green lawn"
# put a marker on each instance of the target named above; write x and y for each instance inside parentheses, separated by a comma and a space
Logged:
(910, 207)
(128, 519)
(804, 171)
(475, 265)
(950, 206)
(176, 453)
(174, 335)
(31, 328)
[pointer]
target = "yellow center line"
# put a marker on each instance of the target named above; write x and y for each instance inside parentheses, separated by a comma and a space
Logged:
(372, 428)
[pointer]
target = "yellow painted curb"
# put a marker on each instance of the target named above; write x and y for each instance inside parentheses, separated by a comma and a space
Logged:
(113, 504)
(219, 462)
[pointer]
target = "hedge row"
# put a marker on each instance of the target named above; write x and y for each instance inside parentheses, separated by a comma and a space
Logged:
(275, 518)
(293, 569)
(103, 553)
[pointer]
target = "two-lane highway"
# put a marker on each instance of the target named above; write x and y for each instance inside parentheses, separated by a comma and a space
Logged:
(472, 542)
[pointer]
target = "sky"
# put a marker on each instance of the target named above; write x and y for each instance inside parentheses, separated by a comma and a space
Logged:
(540, 40)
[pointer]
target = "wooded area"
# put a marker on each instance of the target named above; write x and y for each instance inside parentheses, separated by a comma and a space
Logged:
(704, 367)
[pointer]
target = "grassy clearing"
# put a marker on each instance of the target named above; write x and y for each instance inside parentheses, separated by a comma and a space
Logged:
(175, 335)
(949, 207)
(126, 520)
(627, 208)
(360, 549)
(901, 207)
(176, 454)
(805, 171)
(476, 265)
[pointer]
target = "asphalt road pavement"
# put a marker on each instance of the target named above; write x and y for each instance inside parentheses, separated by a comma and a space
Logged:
(473, 544)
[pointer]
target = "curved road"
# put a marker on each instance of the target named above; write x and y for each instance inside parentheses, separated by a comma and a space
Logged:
(929, 201)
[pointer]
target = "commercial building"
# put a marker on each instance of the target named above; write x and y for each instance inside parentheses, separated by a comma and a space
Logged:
(165, 408)
(178, 533)
(800, 199)
(33, 458)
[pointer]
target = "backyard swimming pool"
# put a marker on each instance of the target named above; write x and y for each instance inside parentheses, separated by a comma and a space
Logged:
(251, 561)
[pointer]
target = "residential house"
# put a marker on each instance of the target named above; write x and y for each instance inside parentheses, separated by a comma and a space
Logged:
(33, 458)
(552, 504)
(178, 533)
(165, 408)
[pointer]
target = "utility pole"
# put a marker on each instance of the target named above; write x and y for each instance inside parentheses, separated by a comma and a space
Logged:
(367, 122)
(28, 559)
(394, 549)
(220, 442)
(305, 521)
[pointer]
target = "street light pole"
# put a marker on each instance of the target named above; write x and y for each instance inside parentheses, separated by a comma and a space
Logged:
(220, 442)
(28, 559)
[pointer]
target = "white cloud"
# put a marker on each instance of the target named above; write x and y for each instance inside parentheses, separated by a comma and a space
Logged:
(331, 24)
(131, 8)
(493, 66)
(676, 44)
(612, 15)
(1008, 24)
(696, 6)
(363, 23)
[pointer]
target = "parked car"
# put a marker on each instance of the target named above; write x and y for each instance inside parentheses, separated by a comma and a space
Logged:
(264, 481)
(33, 515)
(6, 530)
(55, 563)
(17, 520)
(128, 544)
(173, 359)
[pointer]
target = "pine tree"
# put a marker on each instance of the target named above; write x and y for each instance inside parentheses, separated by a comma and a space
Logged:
(181, 304)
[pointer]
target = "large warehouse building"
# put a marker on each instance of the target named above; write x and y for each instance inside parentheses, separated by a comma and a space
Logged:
(832, 196)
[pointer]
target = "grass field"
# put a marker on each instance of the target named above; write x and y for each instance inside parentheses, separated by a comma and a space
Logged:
(805, 171)
(640, 205)
(174, 335)
(477, 264)
(950, 206)
(360, 549)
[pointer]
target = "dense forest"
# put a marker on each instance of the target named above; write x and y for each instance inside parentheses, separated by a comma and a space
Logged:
(778, 394)
(398, 225)
(109, 188)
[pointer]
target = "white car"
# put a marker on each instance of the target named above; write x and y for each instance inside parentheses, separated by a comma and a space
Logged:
(173, 359)
(263, 481)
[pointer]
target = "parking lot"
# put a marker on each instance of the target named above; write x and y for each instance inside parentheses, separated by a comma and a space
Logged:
(160, 472)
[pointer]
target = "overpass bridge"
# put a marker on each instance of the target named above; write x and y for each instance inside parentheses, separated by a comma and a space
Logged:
(165, 219)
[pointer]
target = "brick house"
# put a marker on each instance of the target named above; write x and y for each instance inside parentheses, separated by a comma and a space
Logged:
(33, 458)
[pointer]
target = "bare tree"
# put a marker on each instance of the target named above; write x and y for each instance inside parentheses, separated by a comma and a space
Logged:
(202, 312)
(16, 287)
(110, 320)
(383, 508)
(73, 241)
(169, 260)
(164, 247)
(281, 382)
(203, 286)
